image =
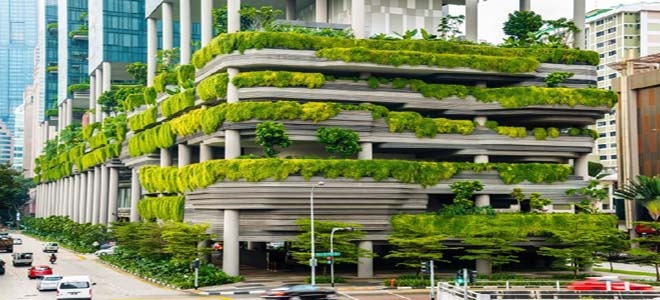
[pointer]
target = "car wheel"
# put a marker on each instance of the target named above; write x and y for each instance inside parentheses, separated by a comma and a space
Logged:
(295, 298)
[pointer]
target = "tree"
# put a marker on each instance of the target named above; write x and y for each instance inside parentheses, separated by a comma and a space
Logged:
(648, 252)
(270, 134)
(614, 246)
(464, 190)
(522, 26)
(536, 203)
(181, 240)
(139, 72)
(558, 31)
(644, 190)
(260, 19)
(415, 241)
(493, 244)
(342, 242)
(449, 27)
(220, 20)
(593, 195)
(344, 142)
(14, 190)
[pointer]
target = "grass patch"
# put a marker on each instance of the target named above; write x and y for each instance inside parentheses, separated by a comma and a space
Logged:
(625, 272)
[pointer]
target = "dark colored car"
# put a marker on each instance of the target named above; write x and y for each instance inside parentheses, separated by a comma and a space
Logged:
(299, 292)
(2, 267)
(600, 284)
(39, 271)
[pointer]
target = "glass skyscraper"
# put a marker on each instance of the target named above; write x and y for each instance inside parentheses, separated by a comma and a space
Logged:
(18, 36)
(50, 98)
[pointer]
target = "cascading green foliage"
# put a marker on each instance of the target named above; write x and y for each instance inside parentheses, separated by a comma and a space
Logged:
(188, 123)
(427, 127)
(150, 95)
(88, 130)
(76, 87)
(133, 101)
(270, 134)
(185, 75)
(344, 142)
(97, 141)
(415, 58)
(169, 208)
(164, 79)
(278, 79)
(228, 43)
(538, 132)
(149, 140)
(213, 87)
(195, 176)
(178, 102)
(143, 119)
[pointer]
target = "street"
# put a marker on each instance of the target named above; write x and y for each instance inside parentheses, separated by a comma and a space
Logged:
(110, 283)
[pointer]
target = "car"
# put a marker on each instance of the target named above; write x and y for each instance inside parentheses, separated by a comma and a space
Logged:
(39, 271)
(106, 251)
(298, 292)
(600, 284)
(48, 282)
(51, 247)
(18, 241)
(22, 259)
(2, 267)
(75, 287)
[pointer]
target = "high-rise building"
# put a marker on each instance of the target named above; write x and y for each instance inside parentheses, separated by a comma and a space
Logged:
(6, 144)
(19, 131)
(48, 38)
(18, 34)
(614, 32)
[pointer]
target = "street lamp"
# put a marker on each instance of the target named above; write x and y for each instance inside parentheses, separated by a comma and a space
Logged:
(312, 261)
(332, 253)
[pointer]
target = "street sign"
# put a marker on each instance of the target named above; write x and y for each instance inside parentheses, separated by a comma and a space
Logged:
(322, 254)
(313, 262)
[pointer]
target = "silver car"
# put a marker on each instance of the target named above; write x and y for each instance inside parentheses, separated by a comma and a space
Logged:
(48, 282)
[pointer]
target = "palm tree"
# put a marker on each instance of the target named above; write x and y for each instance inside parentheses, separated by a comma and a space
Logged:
(646, 191)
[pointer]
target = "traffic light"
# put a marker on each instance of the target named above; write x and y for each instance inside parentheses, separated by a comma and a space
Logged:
(424, 267)
(472, 276)
(459, 277)
(328, 260)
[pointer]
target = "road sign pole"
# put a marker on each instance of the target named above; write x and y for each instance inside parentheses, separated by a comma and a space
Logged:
(465, 286)
(432, 294)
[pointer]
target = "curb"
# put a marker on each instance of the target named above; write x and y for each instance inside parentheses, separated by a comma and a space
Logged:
(222, 293)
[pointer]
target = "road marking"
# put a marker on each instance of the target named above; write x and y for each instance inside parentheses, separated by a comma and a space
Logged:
(347, 295)
(81, 257)
(403, 297)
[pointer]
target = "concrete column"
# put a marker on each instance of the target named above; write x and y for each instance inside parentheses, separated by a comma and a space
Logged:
(232, 137)
(69, 112)
(367, 151)
(135, 194)
(233, 17)
(92, 94)
(152, 46)
(60, 113)
(290, 9)
(484, 267)
(581, 166)
(60, 196)
(76, 198)
(357, 18)
(70, 196)
(207, 21)
(481, 120)
(232, 90)
(366, 264)
(113, 193)
(525, 5)
(185, 31)
(99, 91)
(96, 202)
(481, 159)
(168, 25)
(482, 200)
(579, 9)
(89, 198)
(205, 152)
(103, 209)
(82, 201)
(321, 11)
(51, 199)
(183, 155)
(471, 18)
(230, 251)
(165, 157)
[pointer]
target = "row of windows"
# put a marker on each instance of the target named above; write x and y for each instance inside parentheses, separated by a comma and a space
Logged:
(603, 146)
(124, 22)
(602, 44)
(608, 19)
(603, 123)
(604, 157)
(603, 134)
(636, 26)
(609, 30)
(124, 6)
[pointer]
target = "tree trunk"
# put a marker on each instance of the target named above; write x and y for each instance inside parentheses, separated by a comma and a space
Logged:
(611, 267)
(657, 273)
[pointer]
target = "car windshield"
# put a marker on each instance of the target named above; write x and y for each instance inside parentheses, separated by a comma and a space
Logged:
(52, 278)
(74, 285)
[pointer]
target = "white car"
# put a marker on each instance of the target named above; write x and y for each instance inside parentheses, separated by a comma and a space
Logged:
(51, 247)
(107, 251)
(48, 282)
(75, 287)
(18, 241)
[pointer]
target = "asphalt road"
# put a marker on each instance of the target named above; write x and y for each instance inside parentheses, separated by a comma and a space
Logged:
(110, 283)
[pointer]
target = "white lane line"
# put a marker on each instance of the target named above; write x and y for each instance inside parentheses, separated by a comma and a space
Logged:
(403, 297)
(347, 295)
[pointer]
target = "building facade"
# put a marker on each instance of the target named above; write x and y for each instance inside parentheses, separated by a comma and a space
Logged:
(6, 145)
(630, 29)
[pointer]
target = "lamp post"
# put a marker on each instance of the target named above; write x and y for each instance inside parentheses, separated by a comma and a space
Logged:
(312, 261)
(332, 250)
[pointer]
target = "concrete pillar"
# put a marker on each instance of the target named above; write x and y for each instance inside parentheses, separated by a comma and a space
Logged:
(366, 264)
(481, 120)
(290, 9)
(525, 5)
(135, 194)
(60, 200)
(232, 137)
(482, 200)
(165, 157)
(185, 31)
(233, 17)
(207, 21)
(70, 200)
(579, 9)
(113, 193)
(230, 250)
(481, 159)
(367, 151)
(168, 26)
(99, 91)
(205, 152)
(90, 194)
(76, 198)
(92, 96)
(357, 18)
(152, 45)
(484, 267)
(471, 18)
(96, 202)
(82, 201)
(103, 209)
(183, 155)
(232, 90)
(69, 112)
(581, 166)
(321, 11)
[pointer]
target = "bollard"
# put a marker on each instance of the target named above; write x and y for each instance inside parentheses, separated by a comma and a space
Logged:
(608, 285)
(507, 285)
(626, 285)
(558, 286)
(392, 282)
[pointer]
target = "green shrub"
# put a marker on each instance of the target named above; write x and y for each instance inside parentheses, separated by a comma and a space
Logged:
(514, 132)
(149, 140)
(133, 101)
(278, 79)
(70, 234)
(164, 79)
(553, 132)
(78, 87)
(540, 133)
(150, 95)
(556, 78)
(178, 102)
(270, 134)
(426, 127)
(143, 119)
(213, 87)
(325, 279)
(185, 75)
(344, 142)
(163, 208)
(188, 123)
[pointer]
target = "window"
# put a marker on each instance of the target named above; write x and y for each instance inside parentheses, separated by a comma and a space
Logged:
(600, 22)
(600, 33)
(600, 78)
(613, 52)
(611, 42)
(613, 156)
(612, 122)
(602, 123)
(602, 146)
(602, 134)
(613, 133)
(600, 45)
(603, 157)
(613, 75)
(612, 145)
(613, 29)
